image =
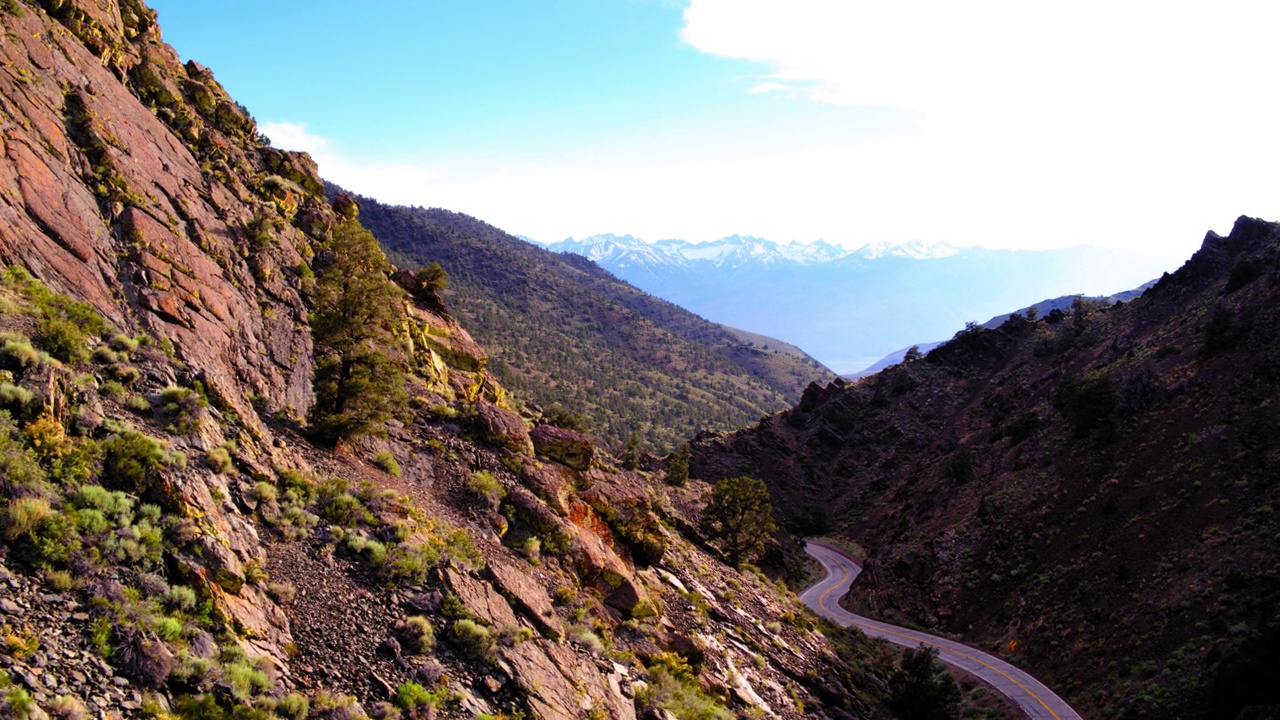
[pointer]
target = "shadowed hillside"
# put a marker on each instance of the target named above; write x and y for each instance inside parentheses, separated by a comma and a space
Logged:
(1092, 494)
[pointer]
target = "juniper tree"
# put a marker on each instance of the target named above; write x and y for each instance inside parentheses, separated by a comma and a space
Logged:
(359, 384)
(739, 518)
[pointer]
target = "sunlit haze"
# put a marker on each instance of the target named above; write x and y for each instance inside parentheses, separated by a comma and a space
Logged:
(1003, 124)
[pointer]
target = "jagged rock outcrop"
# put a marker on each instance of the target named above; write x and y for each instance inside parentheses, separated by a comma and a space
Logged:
(164, 510)
(170, 218)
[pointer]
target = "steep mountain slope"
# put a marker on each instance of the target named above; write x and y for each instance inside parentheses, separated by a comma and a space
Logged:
(174, 544)
(562, 330)
(1090, 494)
(849, 307)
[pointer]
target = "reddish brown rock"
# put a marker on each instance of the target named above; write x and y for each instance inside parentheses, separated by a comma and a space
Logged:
(563, 446)
(504, 428)
(529, 594)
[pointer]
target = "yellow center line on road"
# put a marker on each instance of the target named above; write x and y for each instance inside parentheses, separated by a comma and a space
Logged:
(822, 601)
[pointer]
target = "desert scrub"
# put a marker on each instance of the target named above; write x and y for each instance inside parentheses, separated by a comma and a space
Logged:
(386, 462)
(673, 687)
(126, 374)
(416, 700)
(487, 488)
(124, 344)
(138, 404)
(416, 634)
(180, 407)
(219, 459)
(472, 639)
(337, 504)
(17, 354)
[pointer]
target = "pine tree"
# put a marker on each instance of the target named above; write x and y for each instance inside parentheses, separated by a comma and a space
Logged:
(358, 383)
(739, 518)
(631, 456)
(678, 466)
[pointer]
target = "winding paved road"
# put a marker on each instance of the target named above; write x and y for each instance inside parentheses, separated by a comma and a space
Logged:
(1036, 700)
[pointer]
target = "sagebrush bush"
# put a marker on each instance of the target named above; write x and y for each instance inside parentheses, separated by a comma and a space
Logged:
(473, 639)
(219, 460)
(180, 597)
(25, 516)
(64, 340)
(386, 462)
(486, 487)
(416, 634)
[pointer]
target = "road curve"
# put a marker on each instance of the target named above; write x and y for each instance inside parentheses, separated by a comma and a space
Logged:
(1036, 700)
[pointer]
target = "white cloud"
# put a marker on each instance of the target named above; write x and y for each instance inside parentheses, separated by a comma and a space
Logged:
(399, 183)
(295, 136)
(1034, 125)
(1104, 121)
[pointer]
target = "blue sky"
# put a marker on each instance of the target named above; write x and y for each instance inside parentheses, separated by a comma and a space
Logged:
(997, 123)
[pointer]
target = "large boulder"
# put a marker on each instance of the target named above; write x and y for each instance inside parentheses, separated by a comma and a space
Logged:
(529, 595)
(563, 446)
(503, 428)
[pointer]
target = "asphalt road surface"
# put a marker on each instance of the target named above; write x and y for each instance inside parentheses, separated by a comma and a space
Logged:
(1036, 700)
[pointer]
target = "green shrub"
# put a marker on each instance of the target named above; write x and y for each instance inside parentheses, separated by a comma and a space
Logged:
(219, 460)
(676, 690)
(25, 516)
(460, 548)
(408, 563)
(168, 629)
(90, 521)
(245, 680)
(387, 463)
(264, 493)
(124, 344)
(138, 404)
(126, 374)
(180, 597)
(180, 407)
(416, 634)
(131, 460)
(415, 699)
(63, 339)
(16, 352)
(473, 639)
(293, 706)
(15, 397)
(111, 389)
(486, 487)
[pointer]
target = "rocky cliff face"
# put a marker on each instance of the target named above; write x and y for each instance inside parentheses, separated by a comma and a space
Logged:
(175, 545)
(1089, 493)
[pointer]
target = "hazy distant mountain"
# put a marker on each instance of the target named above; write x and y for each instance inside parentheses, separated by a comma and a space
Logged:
(846, 307)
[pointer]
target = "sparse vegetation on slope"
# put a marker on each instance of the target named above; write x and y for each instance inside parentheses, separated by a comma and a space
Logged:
(561, 330)
(174, 545)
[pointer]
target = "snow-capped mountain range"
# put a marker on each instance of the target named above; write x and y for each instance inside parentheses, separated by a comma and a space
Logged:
(851, 307)
(735, 251)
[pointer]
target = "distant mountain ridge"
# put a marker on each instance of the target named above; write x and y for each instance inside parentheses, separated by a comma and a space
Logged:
(735, 251)
(850, 307)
